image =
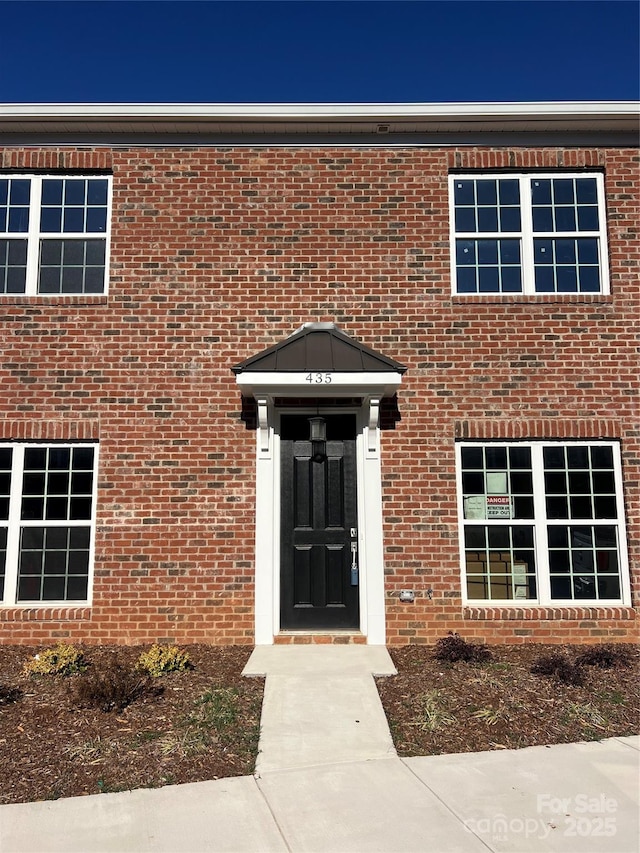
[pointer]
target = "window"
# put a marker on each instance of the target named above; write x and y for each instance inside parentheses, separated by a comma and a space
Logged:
(47, 517)
(54, 234)
(542, 522)
(534, 233)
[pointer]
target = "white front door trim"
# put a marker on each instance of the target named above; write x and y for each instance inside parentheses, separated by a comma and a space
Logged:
(369, 491)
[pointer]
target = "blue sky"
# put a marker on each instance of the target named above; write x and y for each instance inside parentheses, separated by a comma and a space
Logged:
(319, 51)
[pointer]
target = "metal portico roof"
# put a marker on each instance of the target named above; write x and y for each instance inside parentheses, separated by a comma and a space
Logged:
(319, 347)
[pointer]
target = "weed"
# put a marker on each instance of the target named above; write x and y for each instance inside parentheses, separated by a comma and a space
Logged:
(160, 660)
(586, 714)
(453, 648)
(608, 656)
(433, 711)
(113, 687)
(9, 695)
(106, 787)
(62, 659)
(560, 667)
(490, 716)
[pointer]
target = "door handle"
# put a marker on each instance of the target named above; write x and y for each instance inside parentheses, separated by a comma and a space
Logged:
(354, 564)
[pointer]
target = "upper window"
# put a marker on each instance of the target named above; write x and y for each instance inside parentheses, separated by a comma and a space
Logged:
(533, 233)
(542, 522)
(54, 233)
(47, 517)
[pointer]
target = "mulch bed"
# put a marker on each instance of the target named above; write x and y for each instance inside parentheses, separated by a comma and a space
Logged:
(203, 723)
(435, 707)
(52, 747)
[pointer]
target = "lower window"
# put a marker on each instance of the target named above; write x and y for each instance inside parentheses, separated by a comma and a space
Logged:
(47, 520)
(542, 522)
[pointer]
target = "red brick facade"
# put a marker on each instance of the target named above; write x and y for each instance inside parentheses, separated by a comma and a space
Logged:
(219, 252)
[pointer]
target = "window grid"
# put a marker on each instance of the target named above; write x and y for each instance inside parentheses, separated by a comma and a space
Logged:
(579, 558)
(66, 223)
(556, 245)
(50, 522)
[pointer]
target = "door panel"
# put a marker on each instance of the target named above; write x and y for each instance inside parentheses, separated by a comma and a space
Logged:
(318, 500)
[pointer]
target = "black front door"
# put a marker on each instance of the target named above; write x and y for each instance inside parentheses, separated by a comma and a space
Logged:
(318, 583)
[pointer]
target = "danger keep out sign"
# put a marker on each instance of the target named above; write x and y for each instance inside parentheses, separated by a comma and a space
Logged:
(498, 506)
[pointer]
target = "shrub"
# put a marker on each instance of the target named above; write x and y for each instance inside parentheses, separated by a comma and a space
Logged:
(113, 687)
(453, 648)
(62, 659)
(8, 695)
(560, 667)
(162, 659)
(606, 656)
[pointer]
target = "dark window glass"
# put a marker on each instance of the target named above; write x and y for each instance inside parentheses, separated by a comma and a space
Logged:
(466, 280)
(581, 537)
(559, 561)
(97, 191)
(488, 280)
(32, 509)
(465, 219)
(472, 457)
(560, 587)
(577, 456)
(487, 219)
(521, 482)
(604, 507)
(51, 220)
(498, 537)
(77, 588)
(20, 192)
(74, 192)
(557, 508)
(555, 483)
(463, 192)
(487, 251)
(553, 457)
(53, 588)
(542, 219)
(581, 507)
(466, 252)
(558, 537)
(608, 586)
(601, 457)
(584, 586)
(473, 483)
(606, 537)
(589, 279)
(59, 458)
(474, 536)
(541, 191)
(522, 537)
(52, 192)
(588, 219)
(80, 509)
(565, 219)
(496, 458)
(579, 483)
(56, 509)
(486, 192)
(523, 507)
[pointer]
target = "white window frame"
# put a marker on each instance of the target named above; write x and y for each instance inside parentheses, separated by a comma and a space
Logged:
(15, 523)
(526, 235)
(540, 525)
(34, 235)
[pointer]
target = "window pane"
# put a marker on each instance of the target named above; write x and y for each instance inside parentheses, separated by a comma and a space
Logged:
(541, 191)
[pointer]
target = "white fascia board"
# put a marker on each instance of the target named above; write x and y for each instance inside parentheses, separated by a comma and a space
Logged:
(375, 111)
(603, 115)
(322, 384)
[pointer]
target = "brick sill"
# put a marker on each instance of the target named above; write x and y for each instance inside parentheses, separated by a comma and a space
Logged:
(536, 612)
(45, 301)
(45, 614)
(534, 298)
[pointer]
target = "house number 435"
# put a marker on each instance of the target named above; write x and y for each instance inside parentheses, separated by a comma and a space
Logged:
(318, 378)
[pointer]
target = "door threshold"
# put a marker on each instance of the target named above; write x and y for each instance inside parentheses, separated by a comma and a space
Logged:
(319, 638)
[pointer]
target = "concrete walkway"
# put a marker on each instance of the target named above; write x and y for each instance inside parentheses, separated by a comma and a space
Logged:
(328, 780)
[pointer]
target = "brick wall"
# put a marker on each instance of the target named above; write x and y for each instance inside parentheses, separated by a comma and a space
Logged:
(218, 253)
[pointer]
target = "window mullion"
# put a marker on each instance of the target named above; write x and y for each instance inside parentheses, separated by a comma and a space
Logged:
(540, 513)
(13, 531)
(526, 224)
(33, 245)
